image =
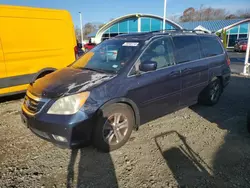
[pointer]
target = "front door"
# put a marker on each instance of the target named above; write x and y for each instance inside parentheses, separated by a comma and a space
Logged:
(158, 92)
(194, 70)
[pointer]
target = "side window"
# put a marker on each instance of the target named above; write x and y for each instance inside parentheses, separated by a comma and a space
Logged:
(187, 48)
(210, 46)
(160, 51)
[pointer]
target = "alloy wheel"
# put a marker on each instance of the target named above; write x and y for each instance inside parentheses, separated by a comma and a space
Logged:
(215, 91)
(115, 128)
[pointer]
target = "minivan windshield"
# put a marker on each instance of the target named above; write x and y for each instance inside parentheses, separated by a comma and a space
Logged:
(109, 56)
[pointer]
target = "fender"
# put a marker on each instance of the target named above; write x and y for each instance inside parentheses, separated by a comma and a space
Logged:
(130, 103)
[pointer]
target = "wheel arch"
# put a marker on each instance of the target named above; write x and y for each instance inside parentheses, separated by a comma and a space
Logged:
(43, 71)
(128, 102)
(217, 77)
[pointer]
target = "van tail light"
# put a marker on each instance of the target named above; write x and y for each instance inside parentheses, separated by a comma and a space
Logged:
(76, 52)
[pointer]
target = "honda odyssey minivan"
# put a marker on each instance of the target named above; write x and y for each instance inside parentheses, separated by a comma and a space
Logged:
(100, 100)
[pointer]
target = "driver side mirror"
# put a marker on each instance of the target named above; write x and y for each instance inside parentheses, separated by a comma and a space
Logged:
(147, 66)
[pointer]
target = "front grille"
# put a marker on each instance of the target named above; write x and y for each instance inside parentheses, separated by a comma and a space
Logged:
(33, 104)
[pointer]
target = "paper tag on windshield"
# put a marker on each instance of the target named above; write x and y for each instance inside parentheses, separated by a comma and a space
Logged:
(130, 44)
(115, 66)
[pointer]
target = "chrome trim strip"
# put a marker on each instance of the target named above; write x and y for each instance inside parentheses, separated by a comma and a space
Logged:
(26, 111)
(35, 98)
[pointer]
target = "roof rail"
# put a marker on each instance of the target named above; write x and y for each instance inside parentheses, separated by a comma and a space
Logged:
(164, 30)
(195, 31)
(179, 30)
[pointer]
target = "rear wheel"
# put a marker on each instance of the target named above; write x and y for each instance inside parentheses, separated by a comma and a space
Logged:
(114, 127)
(211, 94)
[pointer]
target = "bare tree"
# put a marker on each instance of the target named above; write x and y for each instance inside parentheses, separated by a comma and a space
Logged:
(174, 18)
(78, 33)
(190, 14)
(243, 13)
(88, 28)
(101, 25)
(231, 16)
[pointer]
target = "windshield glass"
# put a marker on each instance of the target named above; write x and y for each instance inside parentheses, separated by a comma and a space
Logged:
(109, 56)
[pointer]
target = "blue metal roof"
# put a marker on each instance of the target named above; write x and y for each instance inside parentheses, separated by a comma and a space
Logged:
(212, 25)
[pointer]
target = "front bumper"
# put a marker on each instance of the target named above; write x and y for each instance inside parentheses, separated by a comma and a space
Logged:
(75, 129)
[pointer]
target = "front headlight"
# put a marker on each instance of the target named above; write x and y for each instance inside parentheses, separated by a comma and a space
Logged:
(69, 105)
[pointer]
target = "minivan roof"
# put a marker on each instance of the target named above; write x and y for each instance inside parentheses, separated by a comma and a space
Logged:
(148, 35)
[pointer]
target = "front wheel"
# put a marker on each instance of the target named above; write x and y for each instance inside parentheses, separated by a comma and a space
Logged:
(211, 94)
(114, 127)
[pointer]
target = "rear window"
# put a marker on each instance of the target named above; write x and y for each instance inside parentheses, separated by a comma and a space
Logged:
(186, 48)
(210, 46)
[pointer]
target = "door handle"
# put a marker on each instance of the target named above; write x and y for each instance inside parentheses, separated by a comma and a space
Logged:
(186, 70)
(174, 73)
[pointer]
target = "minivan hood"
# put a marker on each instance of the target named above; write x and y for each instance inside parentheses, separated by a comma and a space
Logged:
(67, 81)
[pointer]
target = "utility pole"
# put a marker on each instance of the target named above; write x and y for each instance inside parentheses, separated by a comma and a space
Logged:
(81, 27)
(164, 17)
(246, 70)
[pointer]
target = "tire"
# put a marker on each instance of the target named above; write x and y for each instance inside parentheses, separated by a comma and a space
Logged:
(105, 134)
(211, 94)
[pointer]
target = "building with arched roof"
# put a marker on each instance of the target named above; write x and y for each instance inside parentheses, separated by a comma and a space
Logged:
(236, 28)
(132, 23)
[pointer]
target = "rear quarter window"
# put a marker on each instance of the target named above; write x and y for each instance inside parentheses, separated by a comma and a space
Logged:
(210, 46)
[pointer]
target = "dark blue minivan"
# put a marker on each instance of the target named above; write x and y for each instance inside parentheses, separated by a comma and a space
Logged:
(100, 100)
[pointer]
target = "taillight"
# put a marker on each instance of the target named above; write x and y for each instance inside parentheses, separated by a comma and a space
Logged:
(228, 61)
(76, 52)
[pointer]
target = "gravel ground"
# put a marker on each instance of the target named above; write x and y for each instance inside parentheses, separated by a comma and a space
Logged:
(194, 147)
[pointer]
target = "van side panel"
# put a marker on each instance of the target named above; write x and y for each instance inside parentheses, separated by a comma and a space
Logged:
(3, 82)
(34, 39)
